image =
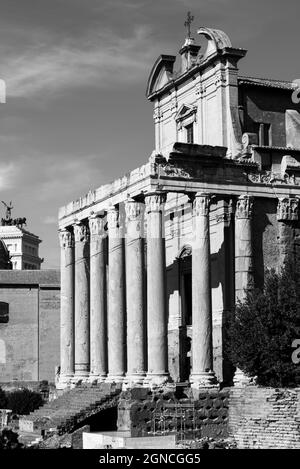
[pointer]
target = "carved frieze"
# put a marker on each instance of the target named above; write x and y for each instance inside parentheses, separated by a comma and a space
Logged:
(288, 209)
(177, 171)
(244, 206)
(269, 177)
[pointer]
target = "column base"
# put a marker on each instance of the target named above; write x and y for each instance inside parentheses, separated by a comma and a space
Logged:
(80, 377)
(155, 380)
(64, 381)
(240, 379)
(97, 378)
(133, 380)
(206, 379)
(115, 378)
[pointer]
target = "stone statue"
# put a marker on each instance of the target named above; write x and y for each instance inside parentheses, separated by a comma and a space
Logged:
(7, 220)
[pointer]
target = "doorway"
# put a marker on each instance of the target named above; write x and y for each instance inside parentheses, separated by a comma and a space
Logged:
(185, 283)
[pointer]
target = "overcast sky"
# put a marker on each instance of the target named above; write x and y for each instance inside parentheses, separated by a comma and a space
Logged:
(76, 114)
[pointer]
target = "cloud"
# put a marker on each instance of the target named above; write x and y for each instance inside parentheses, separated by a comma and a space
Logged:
(8, 174)
(99, 59)
(55, 180)
(50, 220)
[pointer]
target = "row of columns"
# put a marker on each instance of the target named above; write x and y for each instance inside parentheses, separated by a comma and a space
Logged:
(103, 335)
(108, 323)
(287, 213)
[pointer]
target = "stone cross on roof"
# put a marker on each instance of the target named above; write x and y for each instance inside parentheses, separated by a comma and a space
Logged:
(188, 22)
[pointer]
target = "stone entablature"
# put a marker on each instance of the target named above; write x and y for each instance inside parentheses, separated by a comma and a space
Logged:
(190, 168)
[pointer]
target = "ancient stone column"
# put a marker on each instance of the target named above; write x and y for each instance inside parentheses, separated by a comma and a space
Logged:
(135, 294)
(287, 215)
(243, 261)
(116, 299)
(82, 302)
(243, 246)
(202, 351)
(156, 292)
(66, 307)
(98, 317)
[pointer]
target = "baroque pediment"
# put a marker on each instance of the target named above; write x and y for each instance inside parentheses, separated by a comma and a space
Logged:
(185, 110)
(161, 73)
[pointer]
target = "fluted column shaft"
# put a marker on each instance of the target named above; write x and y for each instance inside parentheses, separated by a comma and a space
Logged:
(98, 319)
(82, 302)
(156, 291)
(202, 352)
(67, 307)
(116, 298)
(135, 293)
(243, 246)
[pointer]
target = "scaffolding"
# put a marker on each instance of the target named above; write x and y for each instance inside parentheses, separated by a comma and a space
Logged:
(179, 418)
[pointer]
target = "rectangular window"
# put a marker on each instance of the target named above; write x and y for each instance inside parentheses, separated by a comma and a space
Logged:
(4, 312)
(190, 133)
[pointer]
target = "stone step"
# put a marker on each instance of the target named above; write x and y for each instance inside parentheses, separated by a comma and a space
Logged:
(63, 412)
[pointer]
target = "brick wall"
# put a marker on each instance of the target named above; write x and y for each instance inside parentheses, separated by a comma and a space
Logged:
(137, 408)
(49, 332)
(19, 337)
(265, 418)
(29, 341)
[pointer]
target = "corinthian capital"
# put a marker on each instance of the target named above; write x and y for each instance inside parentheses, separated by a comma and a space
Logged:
(201, 204)
(155, 201)
(133, 209)
(66, 239)
(81, 233)
(244, 207)
(112, 218)
(288, 209)
(96, 225)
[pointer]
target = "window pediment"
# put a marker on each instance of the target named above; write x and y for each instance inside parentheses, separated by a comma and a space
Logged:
(185, 111)
(186, 115)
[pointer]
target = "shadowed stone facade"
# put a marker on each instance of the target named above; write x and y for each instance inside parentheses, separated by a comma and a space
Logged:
(152, 264)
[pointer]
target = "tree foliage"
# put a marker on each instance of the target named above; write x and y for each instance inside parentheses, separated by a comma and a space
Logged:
(3, 399)
(24, 401)
(9, 439)
(264, 327)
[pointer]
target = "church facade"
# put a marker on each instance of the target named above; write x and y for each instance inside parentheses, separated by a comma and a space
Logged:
(153, 263)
